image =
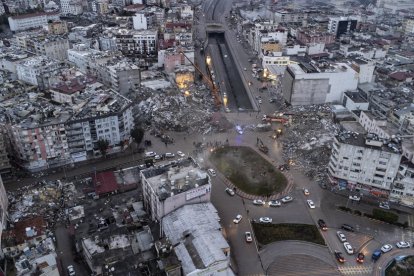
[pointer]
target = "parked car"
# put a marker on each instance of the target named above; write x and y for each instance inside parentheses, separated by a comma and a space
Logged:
(157, 157)
(403, 244)
(339, 257)
(355, 198)
(360, 258)
(347, 227)
(258, 202)
(142, 166)
(180, 153)
(248, 236)
(230, 191)
(211, 172)
(376, 255)
(169, 155)
(386, 248)
(310, 204)
(384, 205)
(348, 248)
(150, 154)
(341, 236)
(322, 224)
(287, 199)
(71, 270)
(275, 203)
(265, 220)
(237, 219)
(306, 192)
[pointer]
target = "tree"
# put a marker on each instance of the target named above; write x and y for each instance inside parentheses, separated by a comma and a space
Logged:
(103, 146)
(137, 134)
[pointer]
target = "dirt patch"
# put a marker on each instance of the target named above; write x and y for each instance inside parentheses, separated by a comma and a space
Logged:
(248, 171)
(268, 233)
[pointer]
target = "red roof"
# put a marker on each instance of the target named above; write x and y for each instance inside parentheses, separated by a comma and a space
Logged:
(37, 227)
(400, 76)
(104, 183)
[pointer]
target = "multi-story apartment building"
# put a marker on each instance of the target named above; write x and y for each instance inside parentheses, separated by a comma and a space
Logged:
(310, 36)
(30, 21)
(5, 166)
(408, 26)
(342, 25)
(293, 16)
(71, 7)
(124, 76)
(364, 162)
(167, 189)
(172, 58)
(57, 27)
(54, 47)
(312, 83)
(136, 43)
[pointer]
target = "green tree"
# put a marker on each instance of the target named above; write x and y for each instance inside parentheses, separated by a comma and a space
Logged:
(137, 134)
(103, 146)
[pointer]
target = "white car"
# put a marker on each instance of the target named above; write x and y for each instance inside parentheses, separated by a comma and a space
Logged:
(265, 220)
(169, 155)
(237, 219)
(260, 101)
(287, 199)
(355, 198)
(248, 236)
(258, 202)
(157, 157)
(211, 172)
(403, 244)
(275, 203)
(384, 205)
(180, 153)
(341, 236)
(306, 192)
(386, 248)
(150, 154)
(71, 271)
(348, 248)
(310, 204)
(230, 191)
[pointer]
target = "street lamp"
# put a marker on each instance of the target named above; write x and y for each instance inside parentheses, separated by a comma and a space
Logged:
(208, 60)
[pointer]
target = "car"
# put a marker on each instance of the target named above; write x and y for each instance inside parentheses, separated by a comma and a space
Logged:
(237, 219)
(211, 172)
(142, 166)
(310, 204)
(260, 101)
(376, 255)
(227, 110)
(287, 199)
(245, 69)
(157, 157)
(71, 270)
(348, 248)
(248, 236)
(341, 236)
(150, 154)
(275, 203)
(265, 220)
(180, 153)
(272, 100)
(384, 205)
(386, 248)
(355, 198)
(230, 191)
(239, 129)
(360, 258)
(306, 192)
(347, 227)
(403, 244)
(169, 155)
(339, 257)
(322, 224)
(258, 202)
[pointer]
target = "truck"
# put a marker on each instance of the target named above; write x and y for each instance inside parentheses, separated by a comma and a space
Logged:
(272, 118)
(376, 255)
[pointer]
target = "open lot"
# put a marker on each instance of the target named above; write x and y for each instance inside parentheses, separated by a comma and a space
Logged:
(248, 171)
(268, 233)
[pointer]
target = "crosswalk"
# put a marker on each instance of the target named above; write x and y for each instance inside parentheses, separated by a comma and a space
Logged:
(355, 270)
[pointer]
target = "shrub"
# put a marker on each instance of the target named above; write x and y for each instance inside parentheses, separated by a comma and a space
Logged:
(385, 216)
(357, 212)
(345, 209)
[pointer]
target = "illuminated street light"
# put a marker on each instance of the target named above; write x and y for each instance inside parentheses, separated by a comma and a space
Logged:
(225, 100)
(208, 60)
(186, 93)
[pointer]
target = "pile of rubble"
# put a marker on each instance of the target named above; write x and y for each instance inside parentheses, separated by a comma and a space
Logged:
(171, 110)
(307, 141)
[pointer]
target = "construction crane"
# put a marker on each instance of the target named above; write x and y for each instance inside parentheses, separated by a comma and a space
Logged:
(214, 89)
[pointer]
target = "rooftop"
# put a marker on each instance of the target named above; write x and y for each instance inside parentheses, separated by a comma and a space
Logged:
(370, 140)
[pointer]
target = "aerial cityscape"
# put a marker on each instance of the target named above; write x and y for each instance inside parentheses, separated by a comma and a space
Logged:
(207, 137)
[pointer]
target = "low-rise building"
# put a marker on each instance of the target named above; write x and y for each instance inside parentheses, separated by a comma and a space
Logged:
(195, 233)
(367, 163)
(30, 21)
(167, 189)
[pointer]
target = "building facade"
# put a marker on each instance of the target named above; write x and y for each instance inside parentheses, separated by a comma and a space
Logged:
(31, 21)
(342, 25)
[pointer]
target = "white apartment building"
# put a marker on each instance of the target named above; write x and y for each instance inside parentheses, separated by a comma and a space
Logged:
(31, 21)
(54, 47)
(403, 186)
(285, 16)
(312, 83)
(133, 42)
(32, 70)
(140, 21)
(365, 69)
(169, 188)
(124, 76)
(408, 26)
(376, 125)
(364, 162)
(71, 7)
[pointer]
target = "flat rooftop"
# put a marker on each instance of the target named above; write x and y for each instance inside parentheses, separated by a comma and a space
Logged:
(369, 141)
